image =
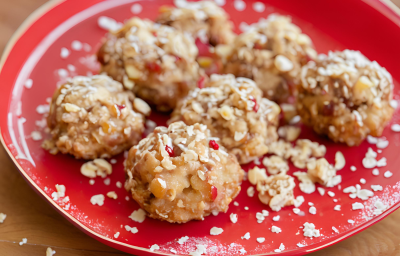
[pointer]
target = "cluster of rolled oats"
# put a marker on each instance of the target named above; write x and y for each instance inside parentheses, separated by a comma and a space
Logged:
(157, 62)
(275, 190)
(235, 112)
(94, 117)
(204, 20)
(345, 96)
(271, 52)
(180, 173)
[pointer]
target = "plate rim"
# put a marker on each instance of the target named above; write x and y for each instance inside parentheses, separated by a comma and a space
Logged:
(385, 7)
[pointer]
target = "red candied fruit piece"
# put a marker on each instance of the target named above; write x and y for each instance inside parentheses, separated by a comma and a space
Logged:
(214, 145)
(154, 67)
(170, 151)
(120, 107)
(214, 193)
(201, 82)
(256, 106)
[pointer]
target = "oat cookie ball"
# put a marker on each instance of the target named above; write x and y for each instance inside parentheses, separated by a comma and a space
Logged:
(235, 112)
(92, 117)
(204, 20)
(271, 52)
(345, 96)
(158, 63)
(180, 173)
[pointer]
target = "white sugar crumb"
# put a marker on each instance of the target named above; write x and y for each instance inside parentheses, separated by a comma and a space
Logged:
(379, 207)
(388, 174)
(64, 53)
(136, 8)
(233, 217)
(62, 72)
(107, 181)
(200, 250)
(71, 68)
(28, 83)
(310, 203)
(246, 236)
(133, 230)
(281, 248)
(357, 206)
(108, 23)
(246, 208)
(310, 230)
(154, 247)
(173, 251)
(321, 191)
(97, 199)
(113, 161)
(375, 172)
(335, 200)
(250, 191)
(296, 210)
(127, 198)
(24, 241)
(235, 203)
(183, 240)
(275, 229)
(337, 207)
(395, 127)
(36, 135)
(76, 45)
(261, 239)
(50, 252)
(276, 218)
(216, 231)
(335, 229)
(331, 194)
(91, 181)
(116, 235)
(119, 184)
(138, 215)
(353, 168)
(376, 188)
(258, 7)
(2, 217)
(239, 5)
(350, 221)
(313, 210)
(363, 181)
(41, 109)
(300, 245)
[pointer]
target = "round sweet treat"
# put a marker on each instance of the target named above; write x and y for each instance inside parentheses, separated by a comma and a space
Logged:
(157, 62)
(92, 117)
(271, 52)
(180, 173)
(345, 96)
(204, 20)
(235, 112)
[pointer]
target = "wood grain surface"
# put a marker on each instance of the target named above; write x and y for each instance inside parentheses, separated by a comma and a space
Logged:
(29, 216)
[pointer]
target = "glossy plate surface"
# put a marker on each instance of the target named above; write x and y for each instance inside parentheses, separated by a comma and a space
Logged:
(34, 53)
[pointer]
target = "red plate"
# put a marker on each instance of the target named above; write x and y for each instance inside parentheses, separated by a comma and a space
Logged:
(34, 52)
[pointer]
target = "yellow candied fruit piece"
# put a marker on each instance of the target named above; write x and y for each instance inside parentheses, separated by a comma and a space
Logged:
(204, 62)
(363, 83)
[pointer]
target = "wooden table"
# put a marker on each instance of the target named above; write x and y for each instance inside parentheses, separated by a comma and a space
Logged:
(29, 216)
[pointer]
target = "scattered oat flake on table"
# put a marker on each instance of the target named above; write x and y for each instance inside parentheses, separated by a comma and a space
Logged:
(239, 5)
(136, 8)
(276, 218)
(340, 161)
(335, 229)
(108, 23)
(116, 235)
(300, 245)
(363, 181)
(258, 7)
(246, 208)
(321, 191)
(133, 230)
(64, 53)
(388, 174)
(261, 239)
(298, 201)
(246, 236)
(395, 127)
(183, 239)
(233, 217)
(216, 231)
(250, 191)
(173, 251)
(372, 140)
(76, 45)
(91, 181)
(24, 241)
(313, 210)
(353, 168)
(107, 181)
(331, 194)
(382, 143)
(154, 247)
(119, 184)
(275, 229)
(296, 210)
(281, 248)
(235, 203)
(2, 217)
(50, 252)
(309, 230)
(350, 221)
(376, 188)
(357, 206)
(375, 172)
(337, 207)
(379, 207)
(112, 195)
(36, 135)
(97, 199)
(138, 215)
